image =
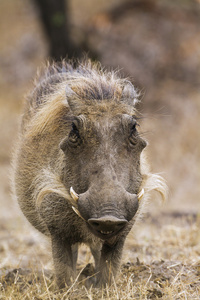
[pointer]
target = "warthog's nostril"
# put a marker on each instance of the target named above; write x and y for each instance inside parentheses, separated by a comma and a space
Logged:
(94, 224)
(107, 224)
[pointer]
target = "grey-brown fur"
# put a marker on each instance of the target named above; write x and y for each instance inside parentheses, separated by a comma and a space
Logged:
(79, 130)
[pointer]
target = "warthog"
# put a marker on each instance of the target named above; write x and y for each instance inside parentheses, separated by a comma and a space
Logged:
(79, 172)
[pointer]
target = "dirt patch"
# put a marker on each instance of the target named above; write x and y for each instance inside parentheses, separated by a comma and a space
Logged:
(161, 274)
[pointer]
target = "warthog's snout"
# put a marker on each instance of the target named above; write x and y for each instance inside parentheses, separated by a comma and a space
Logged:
(111, 215)
(107, 226)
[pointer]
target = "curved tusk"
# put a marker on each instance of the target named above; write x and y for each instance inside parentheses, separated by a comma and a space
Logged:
(140, 194)
(73, 194)
(77, 212)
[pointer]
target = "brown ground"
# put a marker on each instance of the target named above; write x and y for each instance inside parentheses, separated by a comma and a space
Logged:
(157, 43)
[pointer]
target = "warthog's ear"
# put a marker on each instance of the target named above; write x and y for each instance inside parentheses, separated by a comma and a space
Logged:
(74, 102)
(130, 94)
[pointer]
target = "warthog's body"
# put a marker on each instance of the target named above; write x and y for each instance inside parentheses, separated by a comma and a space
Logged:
(79, 130)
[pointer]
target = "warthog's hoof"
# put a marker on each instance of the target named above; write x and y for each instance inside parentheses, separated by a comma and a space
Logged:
(87, 276)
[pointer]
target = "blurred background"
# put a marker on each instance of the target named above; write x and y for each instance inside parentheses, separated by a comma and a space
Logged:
(154, 42)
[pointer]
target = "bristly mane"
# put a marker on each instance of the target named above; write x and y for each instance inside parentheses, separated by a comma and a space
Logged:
(88, 80)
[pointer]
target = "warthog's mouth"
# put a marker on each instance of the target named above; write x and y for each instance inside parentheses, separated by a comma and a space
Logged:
(105, 235)
(106, 232)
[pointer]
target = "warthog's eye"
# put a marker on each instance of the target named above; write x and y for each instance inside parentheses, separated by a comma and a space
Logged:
(133, 128)
(133, 133)
(74, 137)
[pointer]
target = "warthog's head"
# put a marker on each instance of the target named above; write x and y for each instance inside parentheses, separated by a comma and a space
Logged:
(102, 150)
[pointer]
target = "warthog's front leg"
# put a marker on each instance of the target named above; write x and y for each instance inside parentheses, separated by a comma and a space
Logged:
(64, 257)
(55, 211)
(109, 263)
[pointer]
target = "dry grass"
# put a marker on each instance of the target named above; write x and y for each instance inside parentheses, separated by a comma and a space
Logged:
(162, 261)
